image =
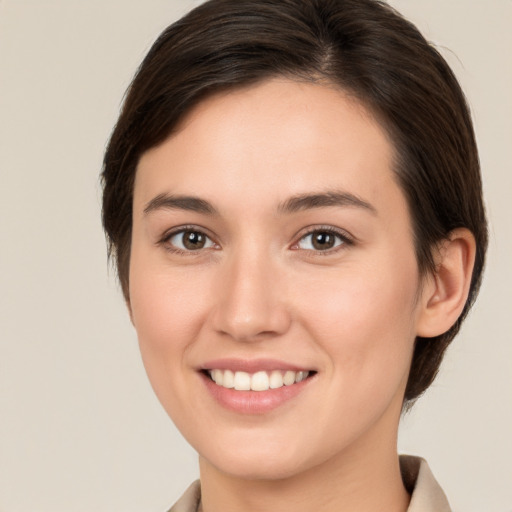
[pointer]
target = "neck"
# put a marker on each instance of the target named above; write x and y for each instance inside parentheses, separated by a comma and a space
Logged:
(364, 478)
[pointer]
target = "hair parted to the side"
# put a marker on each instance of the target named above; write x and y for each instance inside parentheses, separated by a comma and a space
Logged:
(363, 47)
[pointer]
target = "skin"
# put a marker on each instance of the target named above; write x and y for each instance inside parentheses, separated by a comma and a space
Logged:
(259, 289)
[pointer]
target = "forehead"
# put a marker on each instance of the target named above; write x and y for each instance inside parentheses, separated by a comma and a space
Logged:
(264, 143)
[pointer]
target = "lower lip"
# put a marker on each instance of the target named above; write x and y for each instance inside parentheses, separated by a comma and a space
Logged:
(253, 402)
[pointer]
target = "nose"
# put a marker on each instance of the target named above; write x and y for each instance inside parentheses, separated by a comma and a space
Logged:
(251, 302)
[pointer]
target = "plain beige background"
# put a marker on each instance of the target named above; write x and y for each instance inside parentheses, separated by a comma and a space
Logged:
(80, 429)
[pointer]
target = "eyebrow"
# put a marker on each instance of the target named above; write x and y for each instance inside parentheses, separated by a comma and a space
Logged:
(173, 202)
(294, 204)
(321, 200)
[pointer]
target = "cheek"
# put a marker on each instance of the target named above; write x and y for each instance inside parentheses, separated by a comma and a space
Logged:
(365, 321)
(167, 315)
(167, 311)
(163, 303)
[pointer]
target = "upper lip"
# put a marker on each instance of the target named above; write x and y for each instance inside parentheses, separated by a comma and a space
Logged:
(251, 365)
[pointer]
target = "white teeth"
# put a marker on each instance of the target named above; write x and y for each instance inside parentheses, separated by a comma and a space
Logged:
(217, 376)
(242, 381)
(259, 381)
(301, 376)
(289, 378)
(276, 380)
(229, 379)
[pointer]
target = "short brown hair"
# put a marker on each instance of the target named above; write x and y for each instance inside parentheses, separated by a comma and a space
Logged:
(365, 48)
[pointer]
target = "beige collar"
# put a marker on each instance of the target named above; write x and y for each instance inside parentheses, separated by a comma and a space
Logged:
(426, 495)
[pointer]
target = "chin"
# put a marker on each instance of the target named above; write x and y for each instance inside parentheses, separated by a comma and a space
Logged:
(257, 468)
(257, 461)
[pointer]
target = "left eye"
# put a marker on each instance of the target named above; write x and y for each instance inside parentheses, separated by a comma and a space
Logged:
(320, 240)
(190, 240)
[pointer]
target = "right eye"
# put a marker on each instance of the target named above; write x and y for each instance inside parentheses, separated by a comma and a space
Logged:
(321, 240)
(188, 240)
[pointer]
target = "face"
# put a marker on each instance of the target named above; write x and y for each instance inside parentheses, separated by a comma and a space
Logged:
(273, 280)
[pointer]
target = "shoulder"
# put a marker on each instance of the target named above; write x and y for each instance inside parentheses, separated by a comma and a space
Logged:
(426, 493)
(189, 501)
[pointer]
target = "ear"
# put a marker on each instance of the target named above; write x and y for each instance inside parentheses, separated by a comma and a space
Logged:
(445, 292)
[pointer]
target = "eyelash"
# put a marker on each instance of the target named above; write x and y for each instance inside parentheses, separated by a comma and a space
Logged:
(344, 237)
(165, 240)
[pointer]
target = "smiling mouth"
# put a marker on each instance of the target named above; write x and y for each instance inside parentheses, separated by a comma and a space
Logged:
(258, 381)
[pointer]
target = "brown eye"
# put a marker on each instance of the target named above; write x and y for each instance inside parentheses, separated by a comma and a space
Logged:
(321, 240)
(193, 240)
(190, 240)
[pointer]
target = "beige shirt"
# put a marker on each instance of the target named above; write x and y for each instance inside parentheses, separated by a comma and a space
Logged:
(426, 495)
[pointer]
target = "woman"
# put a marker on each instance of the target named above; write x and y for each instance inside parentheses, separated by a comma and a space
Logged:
(293, 200)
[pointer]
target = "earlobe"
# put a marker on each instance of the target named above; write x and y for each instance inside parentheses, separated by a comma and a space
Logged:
(445, 293)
